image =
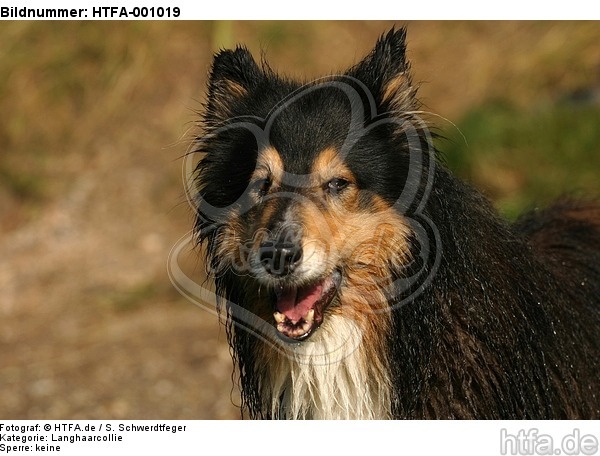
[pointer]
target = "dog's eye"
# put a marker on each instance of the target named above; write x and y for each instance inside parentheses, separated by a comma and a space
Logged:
(263, 186)
(336, 185)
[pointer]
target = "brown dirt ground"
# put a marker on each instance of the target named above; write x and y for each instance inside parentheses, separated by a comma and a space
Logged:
(99, 113)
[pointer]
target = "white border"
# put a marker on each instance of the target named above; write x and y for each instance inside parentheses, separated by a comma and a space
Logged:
(318, 9)
(461, 438)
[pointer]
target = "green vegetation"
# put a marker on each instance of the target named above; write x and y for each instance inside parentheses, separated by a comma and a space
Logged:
(525, 157)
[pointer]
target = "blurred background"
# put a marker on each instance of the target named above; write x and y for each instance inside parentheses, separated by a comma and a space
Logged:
(94, 120)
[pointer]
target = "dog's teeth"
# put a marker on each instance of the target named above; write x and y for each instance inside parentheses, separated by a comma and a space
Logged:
(279, 317)
(305, 327)
(310, 316)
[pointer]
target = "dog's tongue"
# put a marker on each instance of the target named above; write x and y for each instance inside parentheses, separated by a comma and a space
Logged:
(295, 303)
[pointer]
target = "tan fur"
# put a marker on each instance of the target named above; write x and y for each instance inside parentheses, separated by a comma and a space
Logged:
(269, 165)
(228, 241)
(399, 92)
(226, 90)
(329, 164)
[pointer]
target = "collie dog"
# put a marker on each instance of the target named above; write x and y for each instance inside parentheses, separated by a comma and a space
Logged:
(361, 280)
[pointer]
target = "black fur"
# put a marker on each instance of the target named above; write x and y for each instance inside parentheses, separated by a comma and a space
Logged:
(509, 325)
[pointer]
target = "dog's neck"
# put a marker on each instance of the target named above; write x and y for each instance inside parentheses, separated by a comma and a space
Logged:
(336, 376)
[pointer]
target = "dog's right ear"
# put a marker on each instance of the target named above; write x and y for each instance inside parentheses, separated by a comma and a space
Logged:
(386, 72)
(232, 76)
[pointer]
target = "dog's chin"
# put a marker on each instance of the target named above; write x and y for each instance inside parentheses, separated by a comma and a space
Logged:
(298, 311)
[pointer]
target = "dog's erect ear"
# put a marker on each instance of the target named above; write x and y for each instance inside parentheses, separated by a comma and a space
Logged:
(386, 72)
(232, 76)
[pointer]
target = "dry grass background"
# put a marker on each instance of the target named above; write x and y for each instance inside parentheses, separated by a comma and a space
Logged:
(94, 118)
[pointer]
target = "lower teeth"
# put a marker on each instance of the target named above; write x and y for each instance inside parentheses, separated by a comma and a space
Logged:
(294, 331)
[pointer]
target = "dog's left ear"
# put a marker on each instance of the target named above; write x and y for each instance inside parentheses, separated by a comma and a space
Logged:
(386, 72)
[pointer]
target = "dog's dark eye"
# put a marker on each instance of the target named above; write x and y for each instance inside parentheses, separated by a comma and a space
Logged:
(336, 185)
(263, 186)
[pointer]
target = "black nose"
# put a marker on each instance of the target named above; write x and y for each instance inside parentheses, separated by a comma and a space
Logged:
(280, 258)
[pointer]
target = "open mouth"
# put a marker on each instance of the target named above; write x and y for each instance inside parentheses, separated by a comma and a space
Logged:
(299, 311)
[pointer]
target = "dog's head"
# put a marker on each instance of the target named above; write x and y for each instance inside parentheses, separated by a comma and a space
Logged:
(303, 189)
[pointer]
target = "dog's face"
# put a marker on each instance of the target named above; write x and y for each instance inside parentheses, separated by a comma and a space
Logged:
(299, 185)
